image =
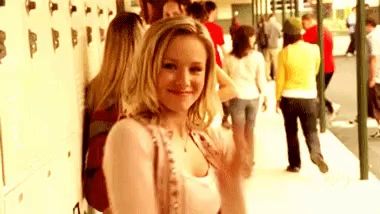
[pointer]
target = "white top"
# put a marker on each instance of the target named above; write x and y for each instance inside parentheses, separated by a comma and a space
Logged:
(351, 20)
(248, 73)
(373, 40)
(202, 195)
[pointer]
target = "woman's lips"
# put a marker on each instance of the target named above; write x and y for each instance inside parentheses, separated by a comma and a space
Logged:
(180, 92)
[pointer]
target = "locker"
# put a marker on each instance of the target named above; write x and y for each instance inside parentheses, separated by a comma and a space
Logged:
(80, 54)
(70, 103)
(111, 10)
(93, 38)
(1, 173)
(42, 87)
(14, 68)
(44, 192)
(103, 24)
(63, 66)
(73, 161)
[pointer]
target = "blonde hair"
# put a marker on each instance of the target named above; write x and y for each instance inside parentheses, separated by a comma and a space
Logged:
(141, 96)
(124, 32)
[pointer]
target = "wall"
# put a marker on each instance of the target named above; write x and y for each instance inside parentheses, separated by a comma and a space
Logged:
(52, 50)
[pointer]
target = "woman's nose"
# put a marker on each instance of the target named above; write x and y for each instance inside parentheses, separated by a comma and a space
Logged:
(183, 77)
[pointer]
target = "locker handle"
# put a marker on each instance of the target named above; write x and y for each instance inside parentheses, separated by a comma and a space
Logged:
(100, 11)
(110, 12)
(102, 34)
(3, 49)
(32, 43)
(55, 35)
(72, 7)
(52, 6)
(30, 5)
(74, 37)
(76, 209)
(88, 10)
(89, 36)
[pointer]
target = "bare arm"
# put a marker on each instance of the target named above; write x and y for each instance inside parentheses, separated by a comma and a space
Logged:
(229, 177)
(372, 71)
(227, 88)
(128, 168)
(261, 78)
(231, 181)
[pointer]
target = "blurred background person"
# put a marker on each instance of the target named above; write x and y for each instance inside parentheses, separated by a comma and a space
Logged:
(262, 38)
(198, 11)
(174, 8)
(235, 24)
(246, 67)
(311, 35)
(296, 93)
(351, 25)
(373, 43)
(273, 32)
(103, 102)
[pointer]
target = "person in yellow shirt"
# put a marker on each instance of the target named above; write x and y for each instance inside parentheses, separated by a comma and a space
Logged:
(296, 93)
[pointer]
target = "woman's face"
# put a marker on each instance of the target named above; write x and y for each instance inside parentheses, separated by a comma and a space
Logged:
(182, 75)
(171, 9)
(252, 40)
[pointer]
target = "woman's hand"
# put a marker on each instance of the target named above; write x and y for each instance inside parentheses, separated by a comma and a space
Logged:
(278, 108)
(265, 104)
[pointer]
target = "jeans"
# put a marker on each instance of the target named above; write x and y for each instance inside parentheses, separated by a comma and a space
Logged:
(328, 103)
(243, 114)
(305, 110)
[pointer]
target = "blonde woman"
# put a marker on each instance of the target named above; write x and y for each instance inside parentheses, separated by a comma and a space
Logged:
(103, 102)
(160, 159)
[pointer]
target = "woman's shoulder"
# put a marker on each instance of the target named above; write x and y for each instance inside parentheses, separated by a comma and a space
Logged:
(129, 132)
(128, 124)
(256, 54)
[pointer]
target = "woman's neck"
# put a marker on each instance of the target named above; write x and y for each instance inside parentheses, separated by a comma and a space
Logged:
(175, 122)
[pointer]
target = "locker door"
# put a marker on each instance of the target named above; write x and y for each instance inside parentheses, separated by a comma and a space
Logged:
(93, 38)
(44, 192)
(81, 64)
(111, 10)
(23, 199)
(69, 116)
(80, 52)
(1, 173)
(43, 89)
(66, 115)
(73, 170)
(15, 69)
(103, 24)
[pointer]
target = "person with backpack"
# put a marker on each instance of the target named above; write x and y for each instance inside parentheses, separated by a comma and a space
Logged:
(103, 105)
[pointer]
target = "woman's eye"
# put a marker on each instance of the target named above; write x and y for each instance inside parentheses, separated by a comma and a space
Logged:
(196, 69)
(170, 66)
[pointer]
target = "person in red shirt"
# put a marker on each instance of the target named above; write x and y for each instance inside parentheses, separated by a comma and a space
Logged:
(216, 31)
(206, 13)
(311, 35)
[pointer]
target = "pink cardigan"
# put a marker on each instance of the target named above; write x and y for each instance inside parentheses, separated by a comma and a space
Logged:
(136, 154)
